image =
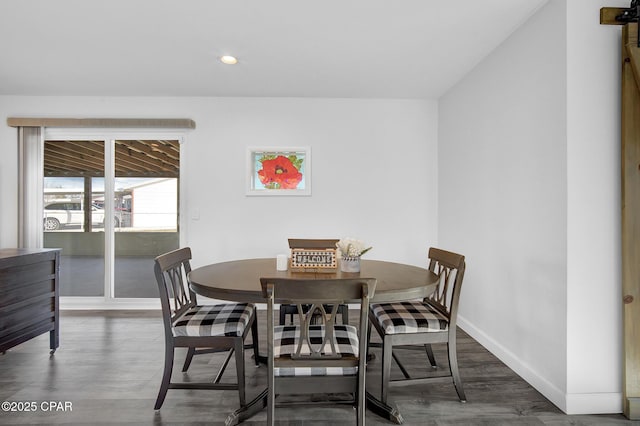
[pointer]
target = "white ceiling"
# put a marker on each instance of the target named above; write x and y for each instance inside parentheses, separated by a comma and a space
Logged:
(292, 48)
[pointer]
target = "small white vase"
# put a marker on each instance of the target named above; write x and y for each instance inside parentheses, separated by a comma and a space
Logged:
(350, 264)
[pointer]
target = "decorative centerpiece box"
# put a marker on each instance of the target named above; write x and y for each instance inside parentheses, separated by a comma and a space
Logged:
(313, 255)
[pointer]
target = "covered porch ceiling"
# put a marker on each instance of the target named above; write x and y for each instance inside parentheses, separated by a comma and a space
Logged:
(133, 158)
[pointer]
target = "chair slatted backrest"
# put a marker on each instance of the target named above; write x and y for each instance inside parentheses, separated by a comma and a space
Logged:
(315, 313)
(450, 268)
(318, 294)
(171, 270)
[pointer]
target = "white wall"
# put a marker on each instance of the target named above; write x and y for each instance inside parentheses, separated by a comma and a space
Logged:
(536, 141)
(594, 289)
(374, 170)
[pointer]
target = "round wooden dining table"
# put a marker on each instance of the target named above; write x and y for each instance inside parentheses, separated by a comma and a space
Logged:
(239, 281)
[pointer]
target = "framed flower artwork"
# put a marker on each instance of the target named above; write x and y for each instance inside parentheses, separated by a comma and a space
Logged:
(279, 171)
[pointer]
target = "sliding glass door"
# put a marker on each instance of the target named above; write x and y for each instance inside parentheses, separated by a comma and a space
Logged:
(146, 211)
(112, 206)
(73, 181)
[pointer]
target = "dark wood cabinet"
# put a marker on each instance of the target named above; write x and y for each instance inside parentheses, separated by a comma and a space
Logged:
(29, 296)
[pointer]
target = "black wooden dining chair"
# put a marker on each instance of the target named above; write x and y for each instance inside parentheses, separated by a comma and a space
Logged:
(423, 322)
(200, 328)
(317, 355)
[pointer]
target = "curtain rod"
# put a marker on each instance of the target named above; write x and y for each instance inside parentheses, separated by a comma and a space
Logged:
(173, 123)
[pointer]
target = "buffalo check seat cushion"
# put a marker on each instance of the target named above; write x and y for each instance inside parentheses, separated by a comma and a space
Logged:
(409, 317)
(214, 320)
(286, 338)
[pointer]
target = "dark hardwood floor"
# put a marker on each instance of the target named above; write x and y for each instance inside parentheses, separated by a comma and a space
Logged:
(109, 365)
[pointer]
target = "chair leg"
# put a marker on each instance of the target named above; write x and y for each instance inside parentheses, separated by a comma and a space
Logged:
(254, 339)
(270, 410)
(271, 399)
(387, 355)
(224, 365)
(455, 373)
(166, 376)
(432, 358)
(361, 401)
(370, 326)
(345, 314)
(405, 373)
(187, 361)
(239, 350)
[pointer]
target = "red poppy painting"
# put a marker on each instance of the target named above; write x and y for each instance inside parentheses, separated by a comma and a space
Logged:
(279, 171)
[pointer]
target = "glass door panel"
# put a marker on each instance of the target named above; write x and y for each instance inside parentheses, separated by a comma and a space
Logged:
(145, 212)
(72, 218)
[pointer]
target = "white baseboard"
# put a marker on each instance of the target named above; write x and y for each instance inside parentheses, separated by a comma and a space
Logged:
(100, 303)
(593, 403)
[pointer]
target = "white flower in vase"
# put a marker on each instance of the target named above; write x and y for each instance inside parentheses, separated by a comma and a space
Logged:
(351, 247)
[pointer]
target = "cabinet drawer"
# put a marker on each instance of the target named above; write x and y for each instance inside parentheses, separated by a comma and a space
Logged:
(17, 296)
(20, 275)
(17, 319)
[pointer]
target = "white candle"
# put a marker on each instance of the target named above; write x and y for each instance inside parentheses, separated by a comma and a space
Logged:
(282, 261)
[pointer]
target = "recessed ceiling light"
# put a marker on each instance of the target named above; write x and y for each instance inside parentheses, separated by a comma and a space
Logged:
(229, 60)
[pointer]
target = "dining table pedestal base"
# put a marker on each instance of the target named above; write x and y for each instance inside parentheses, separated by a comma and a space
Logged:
(383, 410)
(245, 412)
(259, 403)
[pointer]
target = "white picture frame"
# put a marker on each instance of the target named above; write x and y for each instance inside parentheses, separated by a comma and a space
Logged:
(278, 171)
